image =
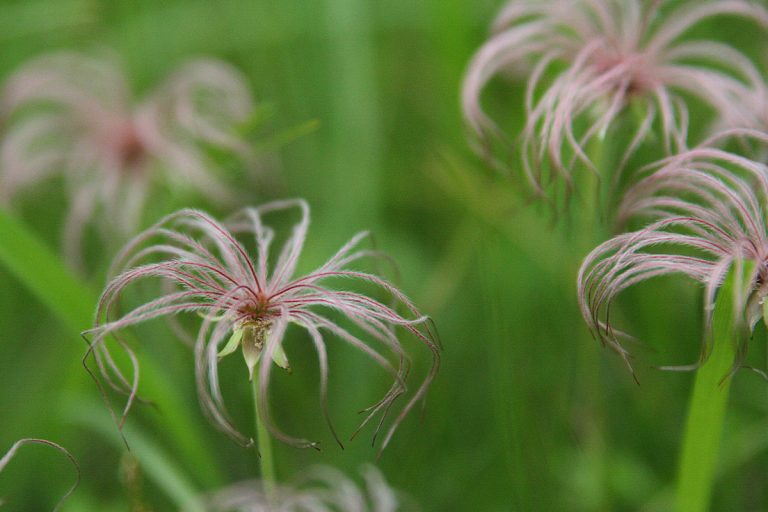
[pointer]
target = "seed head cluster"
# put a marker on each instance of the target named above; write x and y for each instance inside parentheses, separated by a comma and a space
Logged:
(585, 62)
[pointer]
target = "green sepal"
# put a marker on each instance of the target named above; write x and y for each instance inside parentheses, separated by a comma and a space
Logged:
(280, 359)
(251, 336)
(232, 344)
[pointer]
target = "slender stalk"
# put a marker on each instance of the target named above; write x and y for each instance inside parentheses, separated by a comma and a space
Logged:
(451, 269)
(266, 460)
(505, 319)
(707, 407)
(592, 225)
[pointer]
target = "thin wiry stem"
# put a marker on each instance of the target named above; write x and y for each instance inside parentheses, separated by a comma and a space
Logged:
(709, 398)
(5, 459)
(266, 460)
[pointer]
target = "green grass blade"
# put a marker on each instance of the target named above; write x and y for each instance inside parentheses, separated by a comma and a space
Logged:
(26, 257)
(73, 303)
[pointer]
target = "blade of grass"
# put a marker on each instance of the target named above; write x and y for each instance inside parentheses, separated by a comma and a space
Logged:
(73, 303)
(26, 257)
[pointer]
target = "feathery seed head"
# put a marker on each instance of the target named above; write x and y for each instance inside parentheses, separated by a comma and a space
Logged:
(242, 298)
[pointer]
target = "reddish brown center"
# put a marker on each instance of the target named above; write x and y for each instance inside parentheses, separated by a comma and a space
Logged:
(257, 310)
(633, 70)
(129, 148)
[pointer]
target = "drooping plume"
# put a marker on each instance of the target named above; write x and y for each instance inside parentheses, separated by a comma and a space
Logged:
(585, 61)
(707, 209)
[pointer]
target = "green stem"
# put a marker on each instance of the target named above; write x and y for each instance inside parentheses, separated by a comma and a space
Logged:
(266, 460)
(706, 413)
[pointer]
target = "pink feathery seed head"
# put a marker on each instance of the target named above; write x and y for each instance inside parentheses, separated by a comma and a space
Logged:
(320, 488)
(586, 60)
(73, 114)
(707, 209)
(247, 301)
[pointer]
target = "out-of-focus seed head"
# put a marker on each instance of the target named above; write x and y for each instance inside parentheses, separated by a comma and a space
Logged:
(586, 61)
(73, 114)
(323, 489)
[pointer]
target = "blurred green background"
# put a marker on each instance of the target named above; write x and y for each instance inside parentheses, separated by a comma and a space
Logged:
(528, 412)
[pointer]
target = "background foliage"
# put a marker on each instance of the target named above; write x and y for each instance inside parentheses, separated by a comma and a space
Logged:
(528, 413)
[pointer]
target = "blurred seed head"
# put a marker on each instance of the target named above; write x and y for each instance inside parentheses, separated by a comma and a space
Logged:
(243, 298)
(323, 489)
(586, 61)
(73, 114)
(707, 213)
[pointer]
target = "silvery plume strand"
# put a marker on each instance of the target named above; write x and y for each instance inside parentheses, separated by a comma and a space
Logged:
(585, 61)
(11, 453)
(707, 208)
(73, 114)
(207, 270)
(324, 489)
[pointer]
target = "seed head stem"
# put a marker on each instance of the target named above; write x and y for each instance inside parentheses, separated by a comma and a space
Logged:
(709, 399)
(266, 460)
